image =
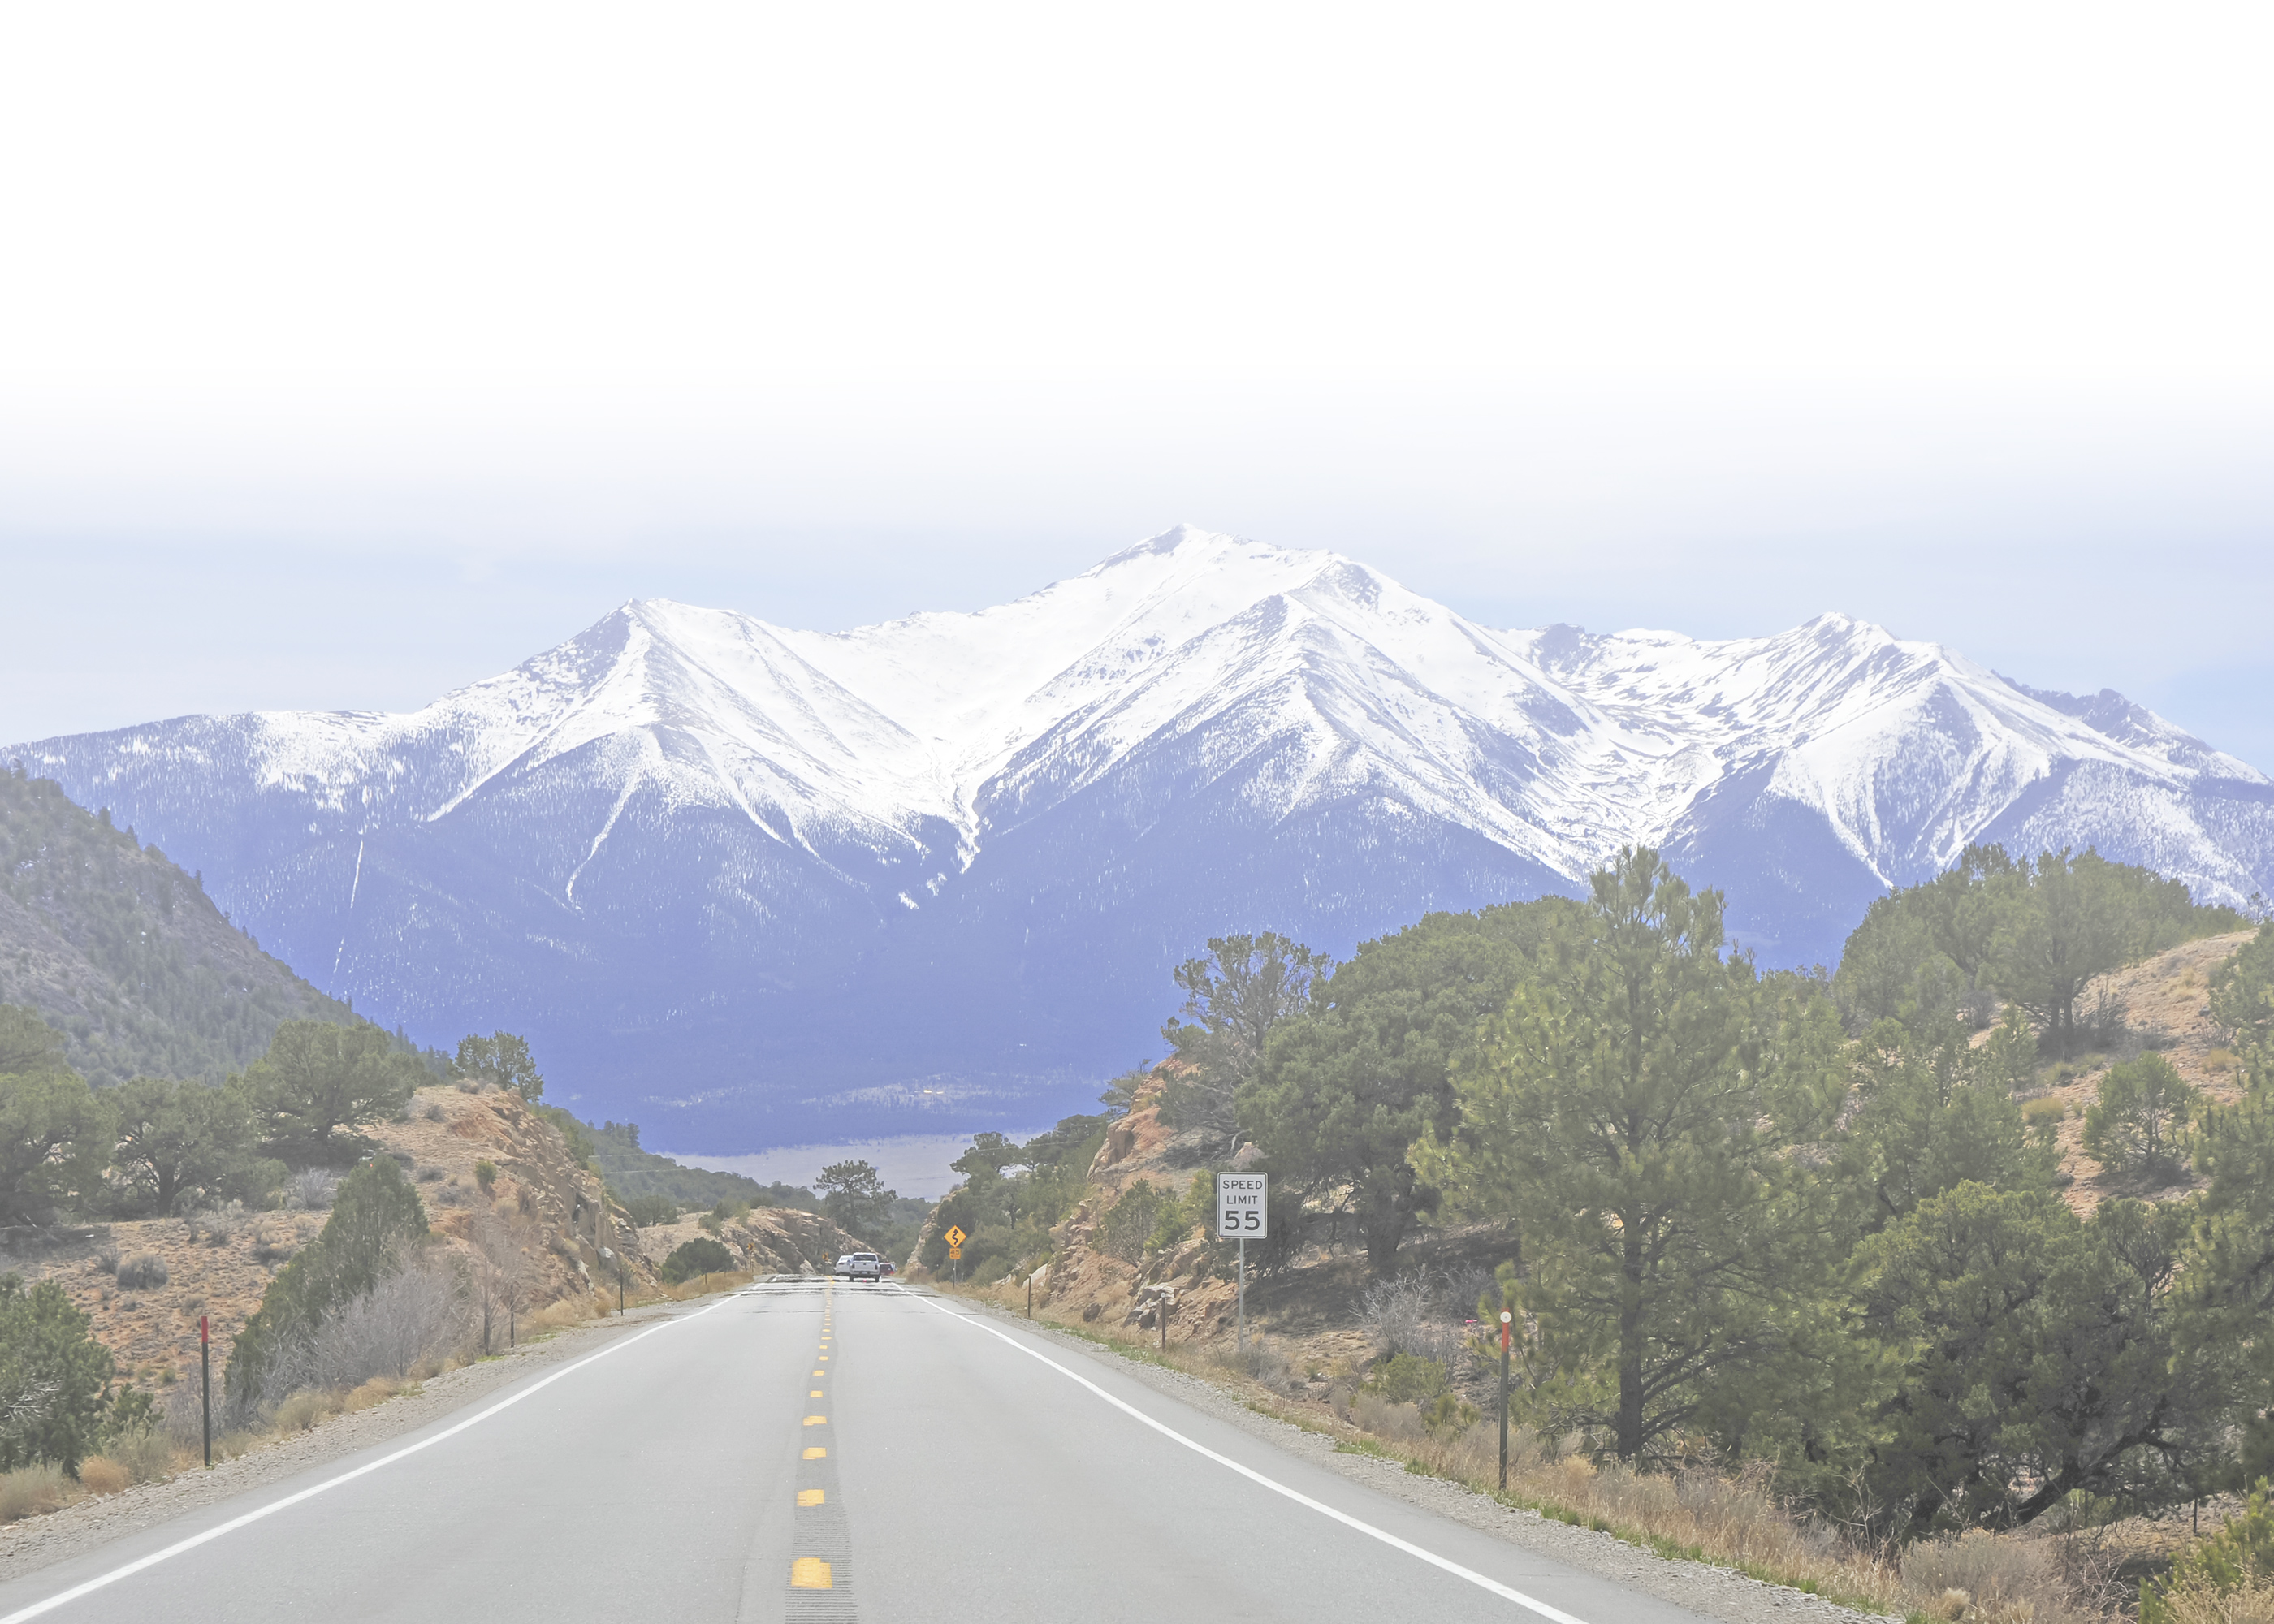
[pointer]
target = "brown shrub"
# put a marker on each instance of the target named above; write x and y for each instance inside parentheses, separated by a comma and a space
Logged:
(300, 1412)
(98, 1475)
(148, 1454)
(1994, 1572)
(377, 1390)
(28, 1491)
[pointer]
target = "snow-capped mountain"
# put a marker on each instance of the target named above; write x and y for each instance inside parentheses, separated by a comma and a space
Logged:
(753, 884)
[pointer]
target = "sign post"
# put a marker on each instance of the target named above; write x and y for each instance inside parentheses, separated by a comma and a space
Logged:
(205, 1360)
(1241, 1210)
(1505, 1317)
(955, 1239)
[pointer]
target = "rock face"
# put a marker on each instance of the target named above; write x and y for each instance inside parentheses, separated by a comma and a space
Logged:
(743, 882)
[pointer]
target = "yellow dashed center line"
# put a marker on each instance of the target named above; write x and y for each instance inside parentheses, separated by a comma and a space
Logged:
(808, 1573)
(816, 1454)
(808, 1497)
(817, 1420)
(816, 1373)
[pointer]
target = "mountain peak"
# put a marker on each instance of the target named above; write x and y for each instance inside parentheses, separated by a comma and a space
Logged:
(962, 845)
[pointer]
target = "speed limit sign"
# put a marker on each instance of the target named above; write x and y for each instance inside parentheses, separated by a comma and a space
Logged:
(1240, 1213)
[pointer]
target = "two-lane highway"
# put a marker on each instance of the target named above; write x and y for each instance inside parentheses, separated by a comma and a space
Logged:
(814, 1450)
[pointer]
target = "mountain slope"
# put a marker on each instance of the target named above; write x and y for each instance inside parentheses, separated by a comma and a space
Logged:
(124, 954)
(781, 884)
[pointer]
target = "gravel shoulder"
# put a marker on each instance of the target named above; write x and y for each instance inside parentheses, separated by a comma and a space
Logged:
(33, 1543)
(1716, 1592)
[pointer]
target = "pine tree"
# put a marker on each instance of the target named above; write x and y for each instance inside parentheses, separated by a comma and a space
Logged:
(1635, 1111)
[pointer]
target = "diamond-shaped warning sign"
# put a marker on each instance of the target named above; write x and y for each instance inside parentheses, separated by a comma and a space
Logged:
(955, 1235)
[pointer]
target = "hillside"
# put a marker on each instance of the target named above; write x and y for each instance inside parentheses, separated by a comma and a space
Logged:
(746, 883)
(633, 1170)
(2163, 999)
(219, 1263)
(1310, 1309)
(125, 954)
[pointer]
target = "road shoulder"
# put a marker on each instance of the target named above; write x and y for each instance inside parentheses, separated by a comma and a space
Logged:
(35, 1543)
(1720, 1593)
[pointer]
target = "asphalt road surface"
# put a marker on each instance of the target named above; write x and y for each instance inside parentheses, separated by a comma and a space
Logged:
(813, 1450)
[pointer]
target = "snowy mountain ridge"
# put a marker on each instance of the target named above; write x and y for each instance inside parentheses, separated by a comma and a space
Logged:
(685, 822)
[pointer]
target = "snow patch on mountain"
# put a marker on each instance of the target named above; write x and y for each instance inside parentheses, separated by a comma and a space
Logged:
(968, 845)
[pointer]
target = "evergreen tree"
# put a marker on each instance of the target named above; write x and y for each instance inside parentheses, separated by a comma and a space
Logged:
(503, 1060)
(1930, 1115)
(2228, 1285)
(2241, 993)
(1345, 1089)
(1247, 985)
(2136, 1125)
(54, 1378)
(317, 1079)
(1636, 1110)
(175, 1137)
(56, 1136)
(376, 1215)
(854, 1197)
(2038, 1356)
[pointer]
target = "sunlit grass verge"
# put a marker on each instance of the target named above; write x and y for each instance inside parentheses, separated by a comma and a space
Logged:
(1728, 1521)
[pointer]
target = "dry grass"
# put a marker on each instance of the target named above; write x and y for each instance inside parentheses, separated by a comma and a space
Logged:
(1981, 1575)
(2038, 1112)
(98, 1475)
(237, 1441)
(702, 1285)
(2192, 1601)
(565, 1311)
(303, 1409)
(582, 1308)
(377, 1390)
(30, 1490)
(33, 1491)
(148, 1454)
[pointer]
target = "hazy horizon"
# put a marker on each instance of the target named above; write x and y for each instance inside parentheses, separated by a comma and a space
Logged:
(1706, 323)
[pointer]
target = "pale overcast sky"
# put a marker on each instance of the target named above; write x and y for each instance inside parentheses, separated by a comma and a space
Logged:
(346, 357)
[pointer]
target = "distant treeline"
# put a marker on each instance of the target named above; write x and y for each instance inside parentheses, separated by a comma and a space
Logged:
(634, 1174)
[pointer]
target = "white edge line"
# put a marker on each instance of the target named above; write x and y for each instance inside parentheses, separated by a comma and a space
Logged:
(1556, 1614)
(254, 1515)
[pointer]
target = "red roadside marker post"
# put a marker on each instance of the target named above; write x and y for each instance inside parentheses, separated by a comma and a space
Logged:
(205, 1362)
(1505, 1317)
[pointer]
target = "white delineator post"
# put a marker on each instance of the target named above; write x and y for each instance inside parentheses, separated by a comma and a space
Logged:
(1241, 1210)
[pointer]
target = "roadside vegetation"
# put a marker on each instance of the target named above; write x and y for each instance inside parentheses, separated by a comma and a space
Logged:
(1803, 1274)
(378, 1301)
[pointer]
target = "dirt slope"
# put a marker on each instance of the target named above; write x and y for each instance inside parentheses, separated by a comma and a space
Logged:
(219, 1264)
(2165, 1010)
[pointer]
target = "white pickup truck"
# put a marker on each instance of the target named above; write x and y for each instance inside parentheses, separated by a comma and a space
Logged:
(860, 1266)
